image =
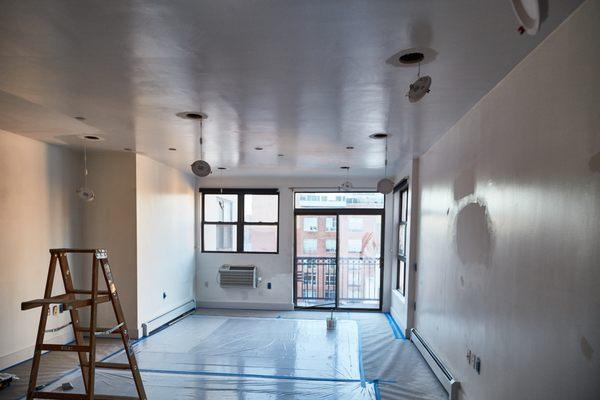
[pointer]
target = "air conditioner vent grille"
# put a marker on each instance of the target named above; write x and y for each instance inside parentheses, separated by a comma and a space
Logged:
(238, 276)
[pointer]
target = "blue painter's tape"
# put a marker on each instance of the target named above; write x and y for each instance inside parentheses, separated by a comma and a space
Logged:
(361, 369)
(377, 391)
(395, 327)
(262, 376)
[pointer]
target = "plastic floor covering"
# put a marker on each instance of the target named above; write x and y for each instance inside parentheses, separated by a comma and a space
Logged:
(273, 355)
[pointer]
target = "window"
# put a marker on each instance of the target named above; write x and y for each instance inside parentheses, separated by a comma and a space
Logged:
(337, 200)
(330, 224)
(354, 245)
(310, 224)
(355, 224)
(401, 202)
(330, 278)
(240, 220)
(310, 278)
(309, 245)
(330, 245)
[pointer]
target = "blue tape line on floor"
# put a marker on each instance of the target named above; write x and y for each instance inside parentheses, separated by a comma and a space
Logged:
(395, 328)
(361, 369)
(377, 391)
(262, 376)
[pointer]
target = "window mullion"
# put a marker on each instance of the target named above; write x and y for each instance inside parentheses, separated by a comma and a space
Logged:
(240, 226)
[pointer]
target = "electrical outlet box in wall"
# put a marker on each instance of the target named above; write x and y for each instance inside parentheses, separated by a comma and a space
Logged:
(477, 365)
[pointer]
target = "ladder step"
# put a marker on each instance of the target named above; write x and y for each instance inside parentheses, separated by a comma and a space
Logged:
(109, 365)
(100, 330)
(70, 304)
(76, 396)
(64, 347)
(85, 291)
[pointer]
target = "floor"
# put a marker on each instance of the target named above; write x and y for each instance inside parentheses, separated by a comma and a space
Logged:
(225, 354)
(53, 366)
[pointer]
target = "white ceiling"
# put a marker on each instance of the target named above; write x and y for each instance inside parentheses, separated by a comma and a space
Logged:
(301, 78)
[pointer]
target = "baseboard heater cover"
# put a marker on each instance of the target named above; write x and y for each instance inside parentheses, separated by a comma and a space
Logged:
(157, 322)
(445, 377)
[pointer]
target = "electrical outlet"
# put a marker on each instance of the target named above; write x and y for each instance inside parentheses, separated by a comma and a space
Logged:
(477, 365)
(268, 285)
(61, 308)
(164, 295)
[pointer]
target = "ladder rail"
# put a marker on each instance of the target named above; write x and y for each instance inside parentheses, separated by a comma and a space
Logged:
(86, 351)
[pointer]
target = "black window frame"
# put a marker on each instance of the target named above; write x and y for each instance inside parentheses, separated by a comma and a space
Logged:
(240, 223)
(401, 258)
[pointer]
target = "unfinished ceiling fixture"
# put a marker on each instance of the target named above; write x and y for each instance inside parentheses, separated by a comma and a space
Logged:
(258, 148)
(172, 149)
(78, 118)
(199, 167)
(222, 168)
(384, 185)
(349, 147)
(91, 137)
(414, 57)
(528, 15)
(419, 88)
(346, 185)
(85, 193)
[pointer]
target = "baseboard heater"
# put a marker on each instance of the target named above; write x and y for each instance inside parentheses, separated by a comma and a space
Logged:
(169, 316)
(439, 369)
(238, 275)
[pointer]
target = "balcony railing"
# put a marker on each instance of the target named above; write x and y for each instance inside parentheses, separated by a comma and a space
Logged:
(359, 282)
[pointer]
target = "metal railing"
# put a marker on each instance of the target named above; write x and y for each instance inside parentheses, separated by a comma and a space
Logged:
(359, 280)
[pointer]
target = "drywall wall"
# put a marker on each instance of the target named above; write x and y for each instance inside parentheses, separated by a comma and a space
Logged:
(165, 209)
(509, 228)
(39, 210)
(110, 223)
(274, 268)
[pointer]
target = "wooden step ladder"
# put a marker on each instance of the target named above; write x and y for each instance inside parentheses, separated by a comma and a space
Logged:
(72, 303)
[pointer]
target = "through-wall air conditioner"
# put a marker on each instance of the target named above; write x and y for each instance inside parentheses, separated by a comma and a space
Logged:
(238, 276)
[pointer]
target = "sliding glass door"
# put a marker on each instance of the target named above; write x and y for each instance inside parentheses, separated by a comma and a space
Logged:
(316, 260)
(359, 261)
(338, 250)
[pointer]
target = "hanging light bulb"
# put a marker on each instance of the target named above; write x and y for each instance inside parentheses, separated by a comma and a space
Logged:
(200, 167)
(346, 185)
(385, 185)
(85, 193)
(419, 88)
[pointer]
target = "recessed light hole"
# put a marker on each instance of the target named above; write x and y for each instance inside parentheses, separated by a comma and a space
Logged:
(172, 149)
(196, 115)
(411, 58)
(91, 137)
(221, 168)
(379, 135)
(258, 148)
(349, 147)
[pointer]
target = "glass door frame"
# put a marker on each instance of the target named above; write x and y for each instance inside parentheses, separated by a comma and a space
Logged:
(337, 212)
